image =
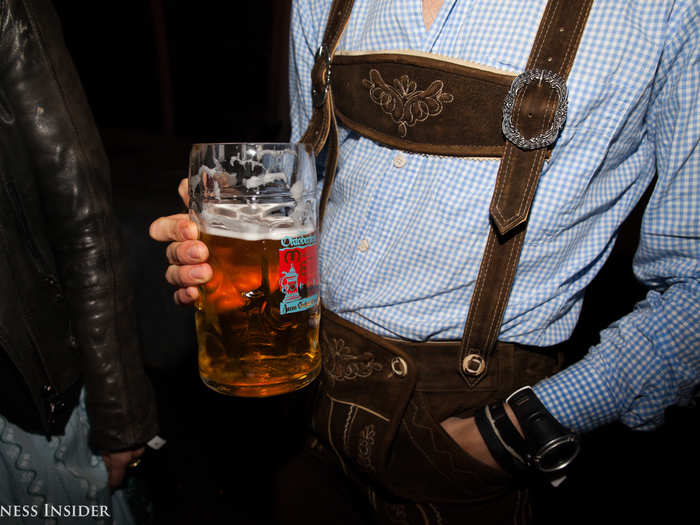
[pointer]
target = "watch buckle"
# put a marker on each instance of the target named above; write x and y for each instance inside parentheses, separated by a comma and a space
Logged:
(512, 395)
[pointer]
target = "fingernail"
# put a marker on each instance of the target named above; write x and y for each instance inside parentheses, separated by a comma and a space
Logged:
(197, 273)
(190, 231)
(195, 252)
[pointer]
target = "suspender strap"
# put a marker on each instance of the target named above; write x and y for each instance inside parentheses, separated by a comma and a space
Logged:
(322, 127)
(537, 99)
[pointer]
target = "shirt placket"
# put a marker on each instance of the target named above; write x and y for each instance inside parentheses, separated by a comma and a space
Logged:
(369, 243)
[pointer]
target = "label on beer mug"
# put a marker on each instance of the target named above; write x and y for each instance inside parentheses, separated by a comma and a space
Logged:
(298, 268)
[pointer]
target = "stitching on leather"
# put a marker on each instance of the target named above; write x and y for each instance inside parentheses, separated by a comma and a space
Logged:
(352, 412)
(425, 516)
(438, 516)
(570, 56)
(478, 291)
(532, 180)
(364, 408)
(432, 70)
(352, 124)
(448, 454)
(420, 449)
(330, 437)
(404, 97)
(505, 167)
(550, 20)
(343, 363)
(504, 287)
(365, 444)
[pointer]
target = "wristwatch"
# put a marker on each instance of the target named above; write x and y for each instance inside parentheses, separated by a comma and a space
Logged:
(549, 446)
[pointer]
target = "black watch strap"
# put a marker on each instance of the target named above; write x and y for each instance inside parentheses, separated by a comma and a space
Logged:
(503, 456)
(510, 437)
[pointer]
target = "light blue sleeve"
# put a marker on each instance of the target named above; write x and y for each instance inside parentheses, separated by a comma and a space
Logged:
(306, 32)
(650, 359)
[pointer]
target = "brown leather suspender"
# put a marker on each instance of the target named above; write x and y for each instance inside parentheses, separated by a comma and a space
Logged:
(554, 49)
(378, 96)
(322, 127)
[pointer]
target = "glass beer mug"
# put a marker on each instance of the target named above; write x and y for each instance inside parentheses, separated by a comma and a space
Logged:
(258, 318)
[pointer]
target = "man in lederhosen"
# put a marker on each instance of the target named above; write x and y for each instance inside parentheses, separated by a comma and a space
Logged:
(481, 157)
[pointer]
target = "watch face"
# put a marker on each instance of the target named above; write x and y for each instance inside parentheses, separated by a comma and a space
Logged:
(558, 454)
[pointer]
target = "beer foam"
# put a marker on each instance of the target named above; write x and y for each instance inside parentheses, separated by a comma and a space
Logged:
(251, 235)
(251, 221)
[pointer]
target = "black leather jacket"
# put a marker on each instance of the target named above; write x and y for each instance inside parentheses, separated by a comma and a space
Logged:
(65, 317)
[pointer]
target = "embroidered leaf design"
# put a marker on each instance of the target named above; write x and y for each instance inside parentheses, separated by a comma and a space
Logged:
(342, 363)
(445, 97)
(404, 102)
(402, 129)
(433, 89)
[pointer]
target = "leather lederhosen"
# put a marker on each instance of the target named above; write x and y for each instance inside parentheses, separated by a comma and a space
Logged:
(376, 418)
(380, 401)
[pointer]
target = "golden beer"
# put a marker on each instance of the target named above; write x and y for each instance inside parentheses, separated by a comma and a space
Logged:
(258, 318)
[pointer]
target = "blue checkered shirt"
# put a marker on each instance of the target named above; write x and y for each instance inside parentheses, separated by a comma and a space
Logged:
(404, 233)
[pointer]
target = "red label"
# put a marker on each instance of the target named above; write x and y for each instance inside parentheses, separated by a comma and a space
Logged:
(298, 273)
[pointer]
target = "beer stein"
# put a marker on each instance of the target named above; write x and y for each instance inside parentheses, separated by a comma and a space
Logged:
(258, 317)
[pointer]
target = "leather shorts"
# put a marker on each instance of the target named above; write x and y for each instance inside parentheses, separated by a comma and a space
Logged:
(377, 415)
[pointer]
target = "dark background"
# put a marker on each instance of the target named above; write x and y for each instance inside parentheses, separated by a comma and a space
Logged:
(162, 74)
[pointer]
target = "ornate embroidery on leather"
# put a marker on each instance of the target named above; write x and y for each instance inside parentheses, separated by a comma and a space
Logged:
(437, 513)
(364, 447)
(346, 432)
(341, 363)
(404, 102)
(396, 513)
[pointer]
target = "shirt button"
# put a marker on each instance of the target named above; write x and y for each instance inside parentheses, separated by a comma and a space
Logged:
(364, 245)
(399, 160)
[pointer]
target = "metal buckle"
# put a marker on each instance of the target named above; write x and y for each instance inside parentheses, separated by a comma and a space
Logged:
(318, 96)
(545, 138)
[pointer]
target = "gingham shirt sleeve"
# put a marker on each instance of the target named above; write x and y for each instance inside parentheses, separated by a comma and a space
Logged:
(650, 359)
(307, 22)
